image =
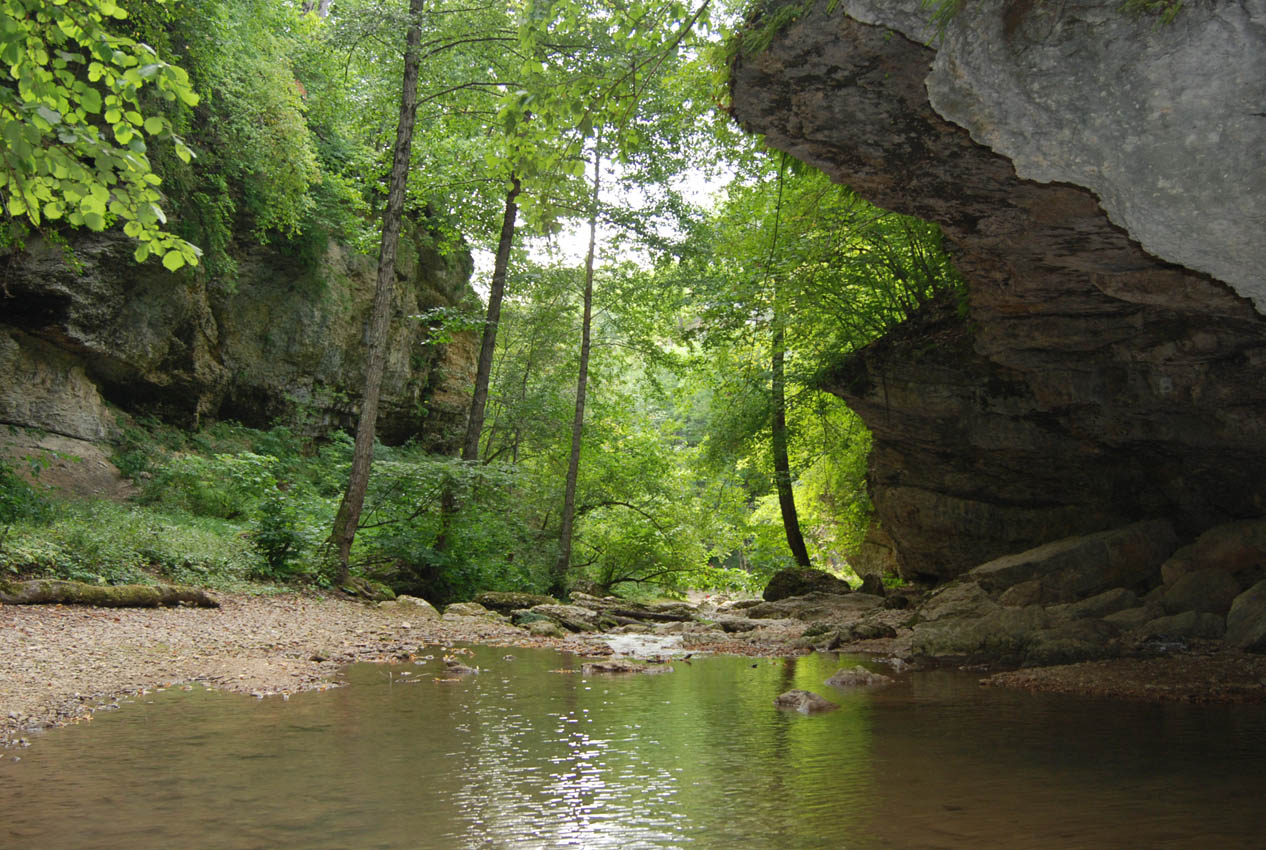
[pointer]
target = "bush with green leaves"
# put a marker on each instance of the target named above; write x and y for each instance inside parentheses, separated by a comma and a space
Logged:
(280, 534)
(19, 500)
(226, 486)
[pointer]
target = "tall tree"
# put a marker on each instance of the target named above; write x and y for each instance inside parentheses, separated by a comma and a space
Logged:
(582, 381)
(349, 510)
(778, 393)
(488, 344)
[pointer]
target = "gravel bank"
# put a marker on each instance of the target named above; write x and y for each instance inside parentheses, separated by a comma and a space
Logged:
(59, 664)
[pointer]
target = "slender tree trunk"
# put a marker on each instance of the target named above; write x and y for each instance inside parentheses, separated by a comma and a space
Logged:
(483, 371)
(348, 516)
(782, 465)
(582, 381)
(778, 393)
(496, 290)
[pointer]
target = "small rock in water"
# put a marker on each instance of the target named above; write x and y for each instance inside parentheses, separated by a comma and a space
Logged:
(621, 666)
(805, 702)
(857, 677)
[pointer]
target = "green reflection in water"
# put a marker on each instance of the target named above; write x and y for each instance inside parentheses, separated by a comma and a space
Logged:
(522, 757)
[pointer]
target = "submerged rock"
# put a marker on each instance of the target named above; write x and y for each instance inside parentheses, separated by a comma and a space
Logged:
(857, 677)
(805, 702)
(623, 666)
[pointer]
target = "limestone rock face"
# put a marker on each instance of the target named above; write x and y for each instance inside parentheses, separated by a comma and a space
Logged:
(1163, 123)
(1091, 382)
(286, 341)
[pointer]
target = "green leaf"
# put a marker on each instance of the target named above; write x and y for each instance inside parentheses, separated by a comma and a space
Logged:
(52, 116)
(173, 260)
(154, 125)
(141, 254)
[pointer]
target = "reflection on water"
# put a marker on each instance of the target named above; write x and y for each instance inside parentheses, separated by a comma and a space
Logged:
(522, 757)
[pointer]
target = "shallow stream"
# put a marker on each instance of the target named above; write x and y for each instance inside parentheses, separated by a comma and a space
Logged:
(523, 756)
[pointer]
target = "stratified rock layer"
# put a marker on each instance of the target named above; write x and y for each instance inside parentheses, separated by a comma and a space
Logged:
(1088, 385)
(284, 342)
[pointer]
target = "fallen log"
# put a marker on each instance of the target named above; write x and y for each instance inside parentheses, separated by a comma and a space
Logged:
(58, 592)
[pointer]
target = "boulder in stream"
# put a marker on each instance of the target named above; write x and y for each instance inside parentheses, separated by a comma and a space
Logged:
(857, 677)
(805, 702)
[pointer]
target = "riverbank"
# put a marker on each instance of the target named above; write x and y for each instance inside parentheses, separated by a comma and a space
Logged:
(60, 664)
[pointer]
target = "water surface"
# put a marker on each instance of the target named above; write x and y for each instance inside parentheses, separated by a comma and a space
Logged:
(523, 756)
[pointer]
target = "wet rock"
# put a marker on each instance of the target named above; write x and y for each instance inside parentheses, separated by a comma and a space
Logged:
(1246, 621)
(805, 702)
(1210, 590)
(509, 602)
(816, 606)
(857, 677)
(799, 581)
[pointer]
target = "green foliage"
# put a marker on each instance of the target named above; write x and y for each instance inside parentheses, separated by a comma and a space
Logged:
(279, 534)
(226, 486)
(74, 125)
(102, 542)
(19, 501)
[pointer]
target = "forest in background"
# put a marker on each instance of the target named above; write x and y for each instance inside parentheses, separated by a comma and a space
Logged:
(708, 315)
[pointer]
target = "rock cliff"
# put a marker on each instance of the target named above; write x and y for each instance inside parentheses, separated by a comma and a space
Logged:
(1101, 181)
(80, 335)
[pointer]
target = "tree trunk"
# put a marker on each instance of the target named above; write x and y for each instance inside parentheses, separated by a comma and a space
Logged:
(483, 372)
(582, 380)
(496, 290)
(362, 454)
(778, 396)
(57, 592)
(782, 465)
